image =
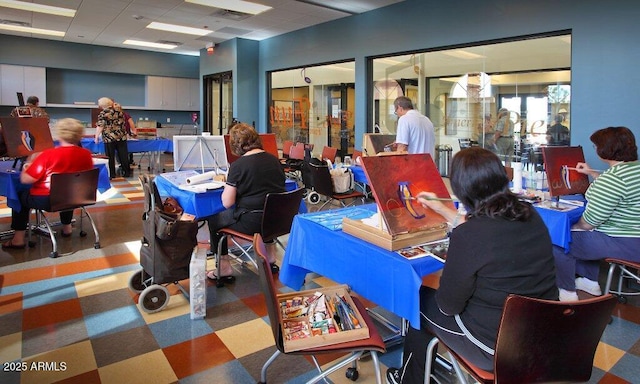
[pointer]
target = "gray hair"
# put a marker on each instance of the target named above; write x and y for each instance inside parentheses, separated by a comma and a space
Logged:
(105, 102)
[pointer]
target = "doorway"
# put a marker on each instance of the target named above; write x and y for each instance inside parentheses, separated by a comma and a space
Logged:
(218, 103)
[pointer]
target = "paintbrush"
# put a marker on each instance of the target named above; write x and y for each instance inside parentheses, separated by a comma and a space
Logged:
(576, 169)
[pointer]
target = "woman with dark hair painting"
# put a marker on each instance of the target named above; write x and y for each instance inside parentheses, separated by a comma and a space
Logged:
(500, 247)
(609, 225)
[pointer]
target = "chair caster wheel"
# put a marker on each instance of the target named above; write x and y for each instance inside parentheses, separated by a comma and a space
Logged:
(53, 255)
(96, 245)
(83, 234)
(219, 283)
(352, 374)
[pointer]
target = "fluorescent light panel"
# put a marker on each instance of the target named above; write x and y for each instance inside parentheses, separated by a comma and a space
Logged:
(460, 54)
(37, 31)
(233, 5)
(149, 44)
(179, 29)
(33, 7)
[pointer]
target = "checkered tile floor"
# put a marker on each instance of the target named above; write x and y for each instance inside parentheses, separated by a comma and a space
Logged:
(74, 320)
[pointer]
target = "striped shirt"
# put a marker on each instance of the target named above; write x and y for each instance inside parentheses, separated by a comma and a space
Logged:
(614, 201)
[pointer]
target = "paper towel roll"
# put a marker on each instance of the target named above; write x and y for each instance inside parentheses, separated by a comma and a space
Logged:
(517, 177)
(207, 176)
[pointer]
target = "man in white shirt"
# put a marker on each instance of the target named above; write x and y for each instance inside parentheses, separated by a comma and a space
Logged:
(415, 132)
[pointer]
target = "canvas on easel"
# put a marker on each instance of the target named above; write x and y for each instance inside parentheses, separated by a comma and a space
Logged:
(394, 180)
(25, 136)
(268, 144)
(204, 153)
(374, 143)
(560, 163)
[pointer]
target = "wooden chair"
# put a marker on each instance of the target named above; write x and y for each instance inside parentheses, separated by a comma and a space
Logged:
(329, 153)
(323, 185)
(373, 344)
(294, 163)
(540, 341)
(277, 217)
(68, 192)
(628, 271)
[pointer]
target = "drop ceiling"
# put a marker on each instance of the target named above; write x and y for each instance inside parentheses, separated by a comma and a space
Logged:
(111, 22)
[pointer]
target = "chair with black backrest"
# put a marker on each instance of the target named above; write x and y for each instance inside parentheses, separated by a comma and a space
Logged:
(277, 217)
(323, 185)
(540, 341)
(373, 344)
(629, 272)
(329, 153)
(70, 191)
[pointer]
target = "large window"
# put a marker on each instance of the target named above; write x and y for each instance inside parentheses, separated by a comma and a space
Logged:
(462, 89)
(314, 105)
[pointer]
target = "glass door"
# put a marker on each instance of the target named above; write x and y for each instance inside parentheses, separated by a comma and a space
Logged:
(218, 103)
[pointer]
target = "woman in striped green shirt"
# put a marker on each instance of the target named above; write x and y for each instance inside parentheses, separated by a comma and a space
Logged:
(609, 225)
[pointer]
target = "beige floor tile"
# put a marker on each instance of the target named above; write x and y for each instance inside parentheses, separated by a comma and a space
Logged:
(11, 347)
(178, 306)
(235, 338)
(607, 356)
(69, 361)
(151, 367)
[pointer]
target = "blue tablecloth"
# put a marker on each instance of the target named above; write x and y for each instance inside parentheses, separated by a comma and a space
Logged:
(382, 276)
(10, 183)
(134, 146)
(200, 205)
(559, 224)
(359, 175)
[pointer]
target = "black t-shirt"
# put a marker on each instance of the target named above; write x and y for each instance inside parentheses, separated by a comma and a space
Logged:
(254, 176)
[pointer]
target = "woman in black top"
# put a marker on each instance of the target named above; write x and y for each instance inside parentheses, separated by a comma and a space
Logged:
(254, 175)
(500, 247)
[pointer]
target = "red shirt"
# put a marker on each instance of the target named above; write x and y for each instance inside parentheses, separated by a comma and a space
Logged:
(57, 160)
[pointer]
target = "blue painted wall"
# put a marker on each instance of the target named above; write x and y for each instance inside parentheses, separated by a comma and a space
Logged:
(605, 51)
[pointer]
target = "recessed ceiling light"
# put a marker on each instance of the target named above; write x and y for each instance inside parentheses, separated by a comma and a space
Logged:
(149, 44)
(33, 7)
(233, 5)
(179, 29)
(37, 31)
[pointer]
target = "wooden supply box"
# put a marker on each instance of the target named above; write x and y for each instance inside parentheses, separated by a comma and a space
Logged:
(388, 241)
(325, 339)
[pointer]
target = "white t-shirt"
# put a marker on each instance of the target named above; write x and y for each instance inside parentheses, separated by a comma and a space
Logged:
(416, 131)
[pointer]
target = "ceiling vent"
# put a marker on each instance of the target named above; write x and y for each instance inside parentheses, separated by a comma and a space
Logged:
(14, 22)
(169, 42)
(231, 15)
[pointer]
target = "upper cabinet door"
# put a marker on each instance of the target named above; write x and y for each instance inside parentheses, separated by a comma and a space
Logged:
(188, 94)
(31, 81)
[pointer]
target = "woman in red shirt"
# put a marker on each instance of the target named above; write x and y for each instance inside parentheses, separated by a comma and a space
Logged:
(67, 157)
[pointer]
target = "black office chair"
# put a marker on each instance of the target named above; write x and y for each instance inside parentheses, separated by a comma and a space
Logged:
(323, 185)
(68, 192)
(277, 217)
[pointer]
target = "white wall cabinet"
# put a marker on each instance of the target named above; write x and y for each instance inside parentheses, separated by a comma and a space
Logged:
(171, 93)
(31, 81)
(188, 92)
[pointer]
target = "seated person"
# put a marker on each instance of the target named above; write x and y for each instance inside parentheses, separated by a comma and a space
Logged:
(67, 157)
(558, 133)
(254, 175)
(609, 224)
(500, 247)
